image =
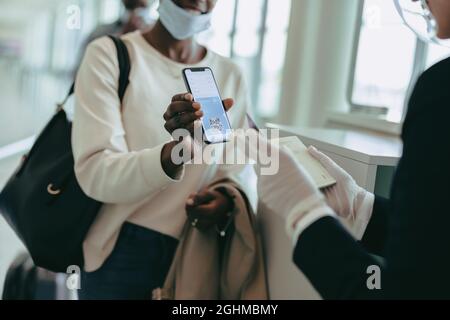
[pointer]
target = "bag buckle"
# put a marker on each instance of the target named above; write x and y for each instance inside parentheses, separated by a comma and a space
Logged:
(53, 192)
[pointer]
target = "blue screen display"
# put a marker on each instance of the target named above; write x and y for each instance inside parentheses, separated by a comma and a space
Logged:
(204, 89)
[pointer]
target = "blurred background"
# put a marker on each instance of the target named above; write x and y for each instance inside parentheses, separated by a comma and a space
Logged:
(346, 64)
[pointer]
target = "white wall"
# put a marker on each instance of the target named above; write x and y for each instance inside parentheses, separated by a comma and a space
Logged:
(318, 61)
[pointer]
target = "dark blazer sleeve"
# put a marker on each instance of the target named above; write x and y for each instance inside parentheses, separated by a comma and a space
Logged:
(374, 239)
(417, 253)
(333, 261)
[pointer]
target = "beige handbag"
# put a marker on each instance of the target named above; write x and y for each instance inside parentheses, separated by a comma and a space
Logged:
(168, 291)
(197, 272)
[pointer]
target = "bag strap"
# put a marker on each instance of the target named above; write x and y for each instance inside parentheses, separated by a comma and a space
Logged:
(124, 65)
(123, 58)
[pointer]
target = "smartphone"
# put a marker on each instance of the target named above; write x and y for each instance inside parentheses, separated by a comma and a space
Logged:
(200, 82)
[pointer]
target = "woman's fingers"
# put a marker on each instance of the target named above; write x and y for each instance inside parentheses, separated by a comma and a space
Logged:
(183, 120)
(228, 104)
(183, 97)
(187, 97)
(182, 113)
(201, 223)
(202, 216)
(178, 107)
(200, 198)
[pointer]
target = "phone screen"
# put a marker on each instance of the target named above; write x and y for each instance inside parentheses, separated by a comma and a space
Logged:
(202, 85)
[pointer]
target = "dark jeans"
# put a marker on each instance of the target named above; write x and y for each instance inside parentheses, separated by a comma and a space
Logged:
(138, 264)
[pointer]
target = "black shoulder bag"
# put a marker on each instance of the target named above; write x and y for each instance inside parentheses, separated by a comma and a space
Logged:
(43, 201)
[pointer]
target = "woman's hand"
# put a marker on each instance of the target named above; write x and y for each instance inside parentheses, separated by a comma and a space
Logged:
(182, 113)
(208, 208)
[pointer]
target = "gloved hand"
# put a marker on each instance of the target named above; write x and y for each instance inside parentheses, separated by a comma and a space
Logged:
(291, 192)
(351, 202)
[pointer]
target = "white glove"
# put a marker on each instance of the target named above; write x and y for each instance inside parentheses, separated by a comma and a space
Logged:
(351, 202)
(291, 192)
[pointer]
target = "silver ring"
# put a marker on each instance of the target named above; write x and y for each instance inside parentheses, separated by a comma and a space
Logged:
(194, 223)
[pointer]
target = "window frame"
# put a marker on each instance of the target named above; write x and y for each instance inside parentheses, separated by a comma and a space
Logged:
(254, 90)
(262, 32)
(418, 67)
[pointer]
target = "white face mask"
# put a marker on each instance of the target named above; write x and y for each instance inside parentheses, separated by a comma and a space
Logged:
(419, 18)
(181, 23)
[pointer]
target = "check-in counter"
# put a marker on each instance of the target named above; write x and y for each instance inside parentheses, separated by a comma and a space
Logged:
(369, 157)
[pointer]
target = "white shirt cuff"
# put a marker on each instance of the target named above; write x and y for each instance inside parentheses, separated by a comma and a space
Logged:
(363, 216)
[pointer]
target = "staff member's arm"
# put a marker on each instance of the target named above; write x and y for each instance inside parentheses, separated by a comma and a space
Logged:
(366, 214)
(417, 258)
(375, 236)
(328, 255)
(417, 255)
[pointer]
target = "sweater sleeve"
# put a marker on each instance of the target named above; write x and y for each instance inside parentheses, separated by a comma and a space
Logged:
(105, 168)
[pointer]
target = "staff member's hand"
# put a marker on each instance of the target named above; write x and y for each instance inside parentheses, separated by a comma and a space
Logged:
(208, 208)
(291, 193)
(347, 199)
(288, 192)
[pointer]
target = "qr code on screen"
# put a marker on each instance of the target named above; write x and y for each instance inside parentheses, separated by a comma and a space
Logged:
(215, 124)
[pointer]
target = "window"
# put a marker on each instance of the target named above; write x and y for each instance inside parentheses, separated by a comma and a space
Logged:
(254, 34)
(248, 31)
(388, 58)
(37, 55)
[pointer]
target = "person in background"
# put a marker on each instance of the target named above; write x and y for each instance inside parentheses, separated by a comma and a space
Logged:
(410, 231)
(135, 17)
(123, 152)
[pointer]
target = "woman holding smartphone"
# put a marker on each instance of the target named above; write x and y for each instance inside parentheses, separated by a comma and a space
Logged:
(123, 153)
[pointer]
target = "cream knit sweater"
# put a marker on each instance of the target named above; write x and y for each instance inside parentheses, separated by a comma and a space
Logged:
(117, 154)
